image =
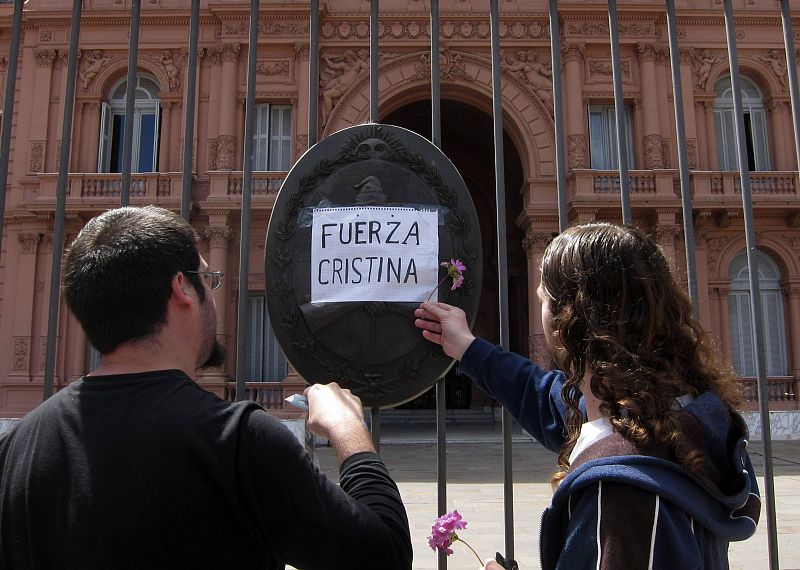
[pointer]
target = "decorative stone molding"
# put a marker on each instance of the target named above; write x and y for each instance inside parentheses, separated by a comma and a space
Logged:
(22, 349)
(635, 29)
(534, 70)
(572, 51)
(171, 61)
(218, 236)
(666, 152)
(666, 234)
(45, 35)
(691, 154)
(229, 52)
(647, 52)
(602, 71)
(225, 152)
(92, 62)
(653, 152)
(211, 154)
(300, 145)
(792, 292)
(776, 61)
(274, 69)
(266, 29)
(576, 151)
(45, 57)
(302, 50)
(715, 244)
(451, 29)
(28, 242)
(535, 242)
(702, 63)
(451, 66)
(687, 55)
(338, 75)
(36, 157)
(46, 244)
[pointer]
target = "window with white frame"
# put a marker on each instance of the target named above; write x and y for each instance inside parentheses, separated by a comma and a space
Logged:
(755, 125)
(272, 142)
(603, 137)
(146, 113)
(742, 348)
(263, 356)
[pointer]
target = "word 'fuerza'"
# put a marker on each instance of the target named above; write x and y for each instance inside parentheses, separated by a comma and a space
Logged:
(355, 270)
(373, 231)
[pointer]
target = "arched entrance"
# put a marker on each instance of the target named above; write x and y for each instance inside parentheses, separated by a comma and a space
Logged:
(467, 140)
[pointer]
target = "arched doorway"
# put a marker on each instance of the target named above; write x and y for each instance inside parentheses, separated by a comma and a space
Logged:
(467, 140)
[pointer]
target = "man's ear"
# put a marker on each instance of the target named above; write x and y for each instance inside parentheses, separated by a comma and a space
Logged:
(180, 289)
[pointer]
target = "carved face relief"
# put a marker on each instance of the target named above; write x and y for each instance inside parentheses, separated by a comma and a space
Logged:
(372, 148)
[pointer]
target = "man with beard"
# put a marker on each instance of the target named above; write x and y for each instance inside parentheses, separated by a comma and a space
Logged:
(136, 466)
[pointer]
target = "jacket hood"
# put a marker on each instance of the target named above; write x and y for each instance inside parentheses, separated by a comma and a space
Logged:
(724, 497)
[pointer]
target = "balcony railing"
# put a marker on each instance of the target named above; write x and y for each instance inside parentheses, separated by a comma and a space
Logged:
(152, 186)
(229, 183)
(782, 393)
(269, 394)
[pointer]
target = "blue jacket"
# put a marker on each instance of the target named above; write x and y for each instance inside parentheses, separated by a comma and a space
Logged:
(621, 506)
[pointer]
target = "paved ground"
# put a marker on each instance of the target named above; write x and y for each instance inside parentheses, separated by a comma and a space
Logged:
(475, 481)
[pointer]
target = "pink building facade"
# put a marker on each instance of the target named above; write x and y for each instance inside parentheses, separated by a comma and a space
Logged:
(282, 97)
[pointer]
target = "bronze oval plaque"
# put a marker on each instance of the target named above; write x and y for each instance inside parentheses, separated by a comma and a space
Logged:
(391, 184)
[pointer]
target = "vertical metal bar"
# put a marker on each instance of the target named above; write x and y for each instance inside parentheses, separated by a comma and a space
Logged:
(130, 97)
(243, 317)
(313, 75)
(188, 132)
(441, 386)
(683, 161)
(373, 62)
(558, 117)
(621, 115)
(61, 201)
(8, 107)
(502, 267)
(791, 65)
(755, 290)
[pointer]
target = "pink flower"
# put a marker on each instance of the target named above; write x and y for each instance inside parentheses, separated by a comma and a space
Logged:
(443, 531)
(443, 534)
(455, 271)
(457, 282)
(458, 265)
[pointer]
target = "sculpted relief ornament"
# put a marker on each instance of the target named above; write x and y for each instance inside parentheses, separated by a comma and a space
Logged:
(91, 64)
(451, 66)
(775, 60)
(703, 62)
(533, 70)
(338, 75)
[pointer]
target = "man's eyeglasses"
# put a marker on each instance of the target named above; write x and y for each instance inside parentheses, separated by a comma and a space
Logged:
(213, 278)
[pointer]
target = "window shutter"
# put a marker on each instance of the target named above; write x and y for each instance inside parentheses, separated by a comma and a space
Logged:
(597, 138)
(280, 149)
(254, 349)
(741, 332)
(275, 360)
(771, 304)
(105, 138)
(760, 146)
(261, 138)
(726, 139)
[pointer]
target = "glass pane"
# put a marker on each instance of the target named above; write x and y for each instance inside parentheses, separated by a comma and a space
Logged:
(287, 121)
(254, 345)
(597, 139)
(147, 138)
(759, 136)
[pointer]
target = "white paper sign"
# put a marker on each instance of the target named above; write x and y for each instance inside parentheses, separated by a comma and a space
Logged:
(373, 254)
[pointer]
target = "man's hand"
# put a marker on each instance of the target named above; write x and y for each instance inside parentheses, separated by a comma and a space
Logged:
(337, 415)
(445, 325)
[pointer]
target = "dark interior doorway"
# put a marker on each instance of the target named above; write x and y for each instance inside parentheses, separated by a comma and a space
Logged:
(467, 139)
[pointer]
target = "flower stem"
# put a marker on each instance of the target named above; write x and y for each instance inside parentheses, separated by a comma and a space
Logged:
(480, 562)
(436, 288)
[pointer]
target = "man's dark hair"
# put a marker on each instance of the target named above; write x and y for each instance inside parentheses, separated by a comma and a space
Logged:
(118, 273)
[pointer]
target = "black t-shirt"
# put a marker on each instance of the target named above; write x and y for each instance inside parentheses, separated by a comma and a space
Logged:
(151, 471)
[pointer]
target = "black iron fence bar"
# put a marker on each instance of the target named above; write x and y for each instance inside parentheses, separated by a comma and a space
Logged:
(755, 291)
(191, 103)
(130, 97)
(441, 392)
(243, 316)
(61, 201)
(502, 267)
(8, 108)
(373, 62)
(620, 114)
(558, 117)
(374, 118)
(791, 65)
(313, 75)
(683, 162)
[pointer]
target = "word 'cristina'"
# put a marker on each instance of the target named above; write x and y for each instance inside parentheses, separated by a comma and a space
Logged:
(371, 269)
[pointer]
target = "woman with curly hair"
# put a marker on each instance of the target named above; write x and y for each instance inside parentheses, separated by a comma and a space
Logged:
(652, 467)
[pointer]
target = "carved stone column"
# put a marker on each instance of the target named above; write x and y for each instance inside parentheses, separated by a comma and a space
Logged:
(218, 239)
(687, 81)
(226, 140)
(27, 243)
(41, 103)
(653, 150)
(775, 110)
(702, 135)
(666, 234)
(572, 54)
(724, 323)
(534, 243)
(94, 110)
(44, 262)
(701, 266)
(793, 293)
(301, 54)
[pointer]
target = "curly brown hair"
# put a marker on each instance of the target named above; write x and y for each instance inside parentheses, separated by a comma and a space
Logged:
(618, 314)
